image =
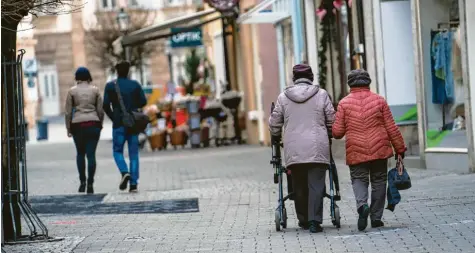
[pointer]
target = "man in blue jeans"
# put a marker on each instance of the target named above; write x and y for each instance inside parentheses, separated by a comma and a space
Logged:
(134, 98)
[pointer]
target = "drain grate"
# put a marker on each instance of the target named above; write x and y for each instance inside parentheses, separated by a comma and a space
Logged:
(93, 205)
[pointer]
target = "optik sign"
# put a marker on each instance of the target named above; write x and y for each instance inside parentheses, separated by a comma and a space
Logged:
(189, 38)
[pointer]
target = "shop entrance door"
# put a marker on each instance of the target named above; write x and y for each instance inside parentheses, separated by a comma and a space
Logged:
(49, 90)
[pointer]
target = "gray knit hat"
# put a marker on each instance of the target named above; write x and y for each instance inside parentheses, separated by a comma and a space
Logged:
(358, 78)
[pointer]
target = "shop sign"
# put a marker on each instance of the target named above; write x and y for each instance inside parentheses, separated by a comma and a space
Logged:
(30, 69)
(30, 66)
(189, 38)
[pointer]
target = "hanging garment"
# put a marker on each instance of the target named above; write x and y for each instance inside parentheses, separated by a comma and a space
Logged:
(458, 105)
(439, 95)
(457, 57)
(442, 51)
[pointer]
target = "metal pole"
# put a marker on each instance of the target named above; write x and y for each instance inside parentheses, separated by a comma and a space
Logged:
(420, 96)
(226, 57)
(467, 35)
(361, 32)
(170, 65)
(170, 71)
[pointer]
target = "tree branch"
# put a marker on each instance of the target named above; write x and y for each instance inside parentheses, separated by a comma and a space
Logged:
(102, 35)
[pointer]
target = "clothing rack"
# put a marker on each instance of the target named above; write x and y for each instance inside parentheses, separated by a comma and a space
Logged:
(444, 26)
(450, 24)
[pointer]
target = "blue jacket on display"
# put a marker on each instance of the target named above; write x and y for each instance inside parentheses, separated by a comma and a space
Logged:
(442, 54)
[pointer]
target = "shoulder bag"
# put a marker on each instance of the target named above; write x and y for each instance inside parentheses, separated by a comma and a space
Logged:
(135, 122)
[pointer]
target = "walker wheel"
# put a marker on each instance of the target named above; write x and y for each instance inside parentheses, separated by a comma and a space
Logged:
(284, 223)
(277, 220)
(337, 217)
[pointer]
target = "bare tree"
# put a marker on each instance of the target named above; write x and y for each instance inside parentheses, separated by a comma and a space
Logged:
(101, 37)
(12, 12)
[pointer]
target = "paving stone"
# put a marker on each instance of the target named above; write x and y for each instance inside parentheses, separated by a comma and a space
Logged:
(236, 203)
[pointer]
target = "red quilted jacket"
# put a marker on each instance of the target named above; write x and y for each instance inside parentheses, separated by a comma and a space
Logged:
(364, 117)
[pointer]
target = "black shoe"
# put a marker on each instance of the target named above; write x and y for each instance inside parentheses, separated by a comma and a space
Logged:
(124, 181)
(303, 225)
(363, 219)
(82, 187)
(315, 227)
(133, 188)
(90, 189)
(377, 224)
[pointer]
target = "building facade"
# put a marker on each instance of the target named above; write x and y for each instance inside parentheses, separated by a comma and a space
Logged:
(63, 44)
(383, 37)
(26, 41)
(431, 98)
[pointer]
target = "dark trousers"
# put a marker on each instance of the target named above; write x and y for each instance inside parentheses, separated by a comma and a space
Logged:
(308, 182)
(361, 174)
(86, 139)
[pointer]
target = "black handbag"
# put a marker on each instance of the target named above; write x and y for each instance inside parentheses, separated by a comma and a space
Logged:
(135, 122)
(402, 180)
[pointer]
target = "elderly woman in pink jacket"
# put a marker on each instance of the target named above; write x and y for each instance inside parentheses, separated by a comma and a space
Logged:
(306, 114)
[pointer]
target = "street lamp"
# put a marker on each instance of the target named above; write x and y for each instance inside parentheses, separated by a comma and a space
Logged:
(168, 52)
(123, 21)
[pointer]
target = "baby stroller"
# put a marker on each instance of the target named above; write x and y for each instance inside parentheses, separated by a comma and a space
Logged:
(281, 212)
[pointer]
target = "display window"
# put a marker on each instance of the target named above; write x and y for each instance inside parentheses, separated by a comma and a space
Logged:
(443, 87)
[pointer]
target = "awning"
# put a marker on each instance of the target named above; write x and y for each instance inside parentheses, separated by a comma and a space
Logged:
(259, 14)
(163, 29)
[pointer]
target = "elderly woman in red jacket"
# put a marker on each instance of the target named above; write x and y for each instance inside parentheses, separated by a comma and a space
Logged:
(371, 134)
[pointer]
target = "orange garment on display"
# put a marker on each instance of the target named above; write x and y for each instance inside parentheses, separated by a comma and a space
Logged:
(181, 118)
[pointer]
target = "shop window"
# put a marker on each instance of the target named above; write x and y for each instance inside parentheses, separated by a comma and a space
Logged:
(444, 86)
(46, 85)
(53, 85)
(133, 3)
(108, 4)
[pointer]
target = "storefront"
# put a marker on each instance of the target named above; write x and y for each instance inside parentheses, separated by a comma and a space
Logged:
(286, 45)
(287, 17)
(436, 92)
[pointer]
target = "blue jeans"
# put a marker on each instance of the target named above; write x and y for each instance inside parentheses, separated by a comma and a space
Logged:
(119, 137)
(86, 139)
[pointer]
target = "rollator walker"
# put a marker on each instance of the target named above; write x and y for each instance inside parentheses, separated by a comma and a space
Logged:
(280, 211)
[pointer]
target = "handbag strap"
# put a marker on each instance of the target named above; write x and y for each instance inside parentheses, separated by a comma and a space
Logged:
(119, 96)
(400, 165)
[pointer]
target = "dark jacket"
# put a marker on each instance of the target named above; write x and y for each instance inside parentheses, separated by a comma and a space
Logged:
(393, 195)
(132, 95)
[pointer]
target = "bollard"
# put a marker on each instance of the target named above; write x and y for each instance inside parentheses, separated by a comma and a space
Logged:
(42, 130)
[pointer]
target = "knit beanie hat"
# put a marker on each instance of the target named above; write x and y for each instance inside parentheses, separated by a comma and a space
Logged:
(82, 74)
(358, 78)
(302, 71)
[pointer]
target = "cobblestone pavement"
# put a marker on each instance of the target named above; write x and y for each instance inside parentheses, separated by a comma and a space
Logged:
(237, 199)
